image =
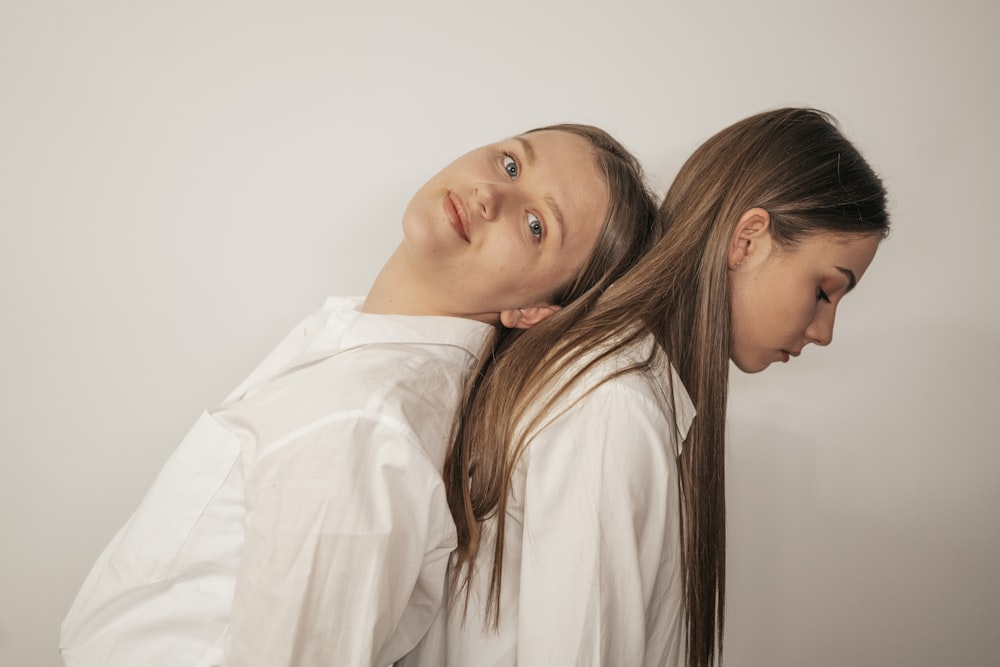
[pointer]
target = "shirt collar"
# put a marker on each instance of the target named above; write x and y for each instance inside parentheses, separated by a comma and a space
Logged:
(464, 335)
(680, 401)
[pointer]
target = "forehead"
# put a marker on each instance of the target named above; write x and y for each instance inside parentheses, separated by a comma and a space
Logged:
(561, 149)
(850, 251)
(565, 166)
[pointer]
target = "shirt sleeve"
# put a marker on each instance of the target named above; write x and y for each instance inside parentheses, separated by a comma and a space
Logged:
(347, 542)
(600, 516)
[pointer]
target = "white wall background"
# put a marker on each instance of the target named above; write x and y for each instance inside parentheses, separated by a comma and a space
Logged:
(181, 181)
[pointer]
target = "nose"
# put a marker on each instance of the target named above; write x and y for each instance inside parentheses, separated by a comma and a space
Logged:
(488, 200)
(820, 330)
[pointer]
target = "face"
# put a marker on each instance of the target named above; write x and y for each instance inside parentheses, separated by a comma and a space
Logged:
(502, 227)
(784, 300)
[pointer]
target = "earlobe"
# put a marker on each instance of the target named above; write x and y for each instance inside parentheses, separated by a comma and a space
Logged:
(751, 237)
(525, 318)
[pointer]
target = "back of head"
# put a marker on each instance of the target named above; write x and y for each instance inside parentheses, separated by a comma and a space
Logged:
(513, 366)
(794, 163)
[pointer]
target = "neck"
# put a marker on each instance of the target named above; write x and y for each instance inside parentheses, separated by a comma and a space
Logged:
(400, 290)
(394, 291)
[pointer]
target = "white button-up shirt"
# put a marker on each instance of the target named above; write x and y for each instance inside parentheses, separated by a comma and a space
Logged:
(304, 521)
(592, 552)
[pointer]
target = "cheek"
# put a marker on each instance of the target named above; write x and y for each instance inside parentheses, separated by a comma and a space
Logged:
(532, 283)
(525, 271)
(783, 301)
(744, 328)
(503, 270)
(767, 316)
(800, 311)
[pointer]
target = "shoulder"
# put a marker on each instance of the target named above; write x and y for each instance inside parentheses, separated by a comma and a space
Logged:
(621, 383)
(612, 447)
(627, 401)
(620, 404)
(393, 395)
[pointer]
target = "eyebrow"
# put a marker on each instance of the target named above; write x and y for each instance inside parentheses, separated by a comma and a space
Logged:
(557, 212)
(529, 150)
(531, 156)
(851, 279)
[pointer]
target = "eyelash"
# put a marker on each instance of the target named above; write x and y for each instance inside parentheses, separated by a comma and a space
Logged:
(517, 167)
(534, 222)
(820, 294)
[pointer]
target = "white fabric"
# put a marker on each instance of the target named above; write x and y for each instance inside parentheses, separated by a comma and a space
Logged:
(304, 522)
(591, 572)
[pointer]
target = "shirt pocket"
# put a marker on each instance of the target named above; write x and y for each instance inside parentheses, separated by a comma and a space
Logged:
(154, 538)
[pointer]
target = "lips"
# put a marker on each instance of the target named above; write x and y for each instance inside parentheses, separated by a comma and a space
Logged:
(454, 209)
(785, 354)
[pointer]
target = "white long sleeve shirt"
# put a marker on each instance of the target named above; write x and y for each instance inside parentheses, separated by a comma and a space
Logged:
(303, 522)
(591, 570)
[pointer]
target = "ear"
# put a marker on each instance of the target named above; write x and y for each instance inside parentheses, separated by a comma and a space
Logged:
(751, 238)
(525, 318)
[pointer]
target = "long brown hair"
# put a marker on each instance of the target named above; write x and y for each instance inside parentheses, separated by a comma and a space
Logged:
(631, 227)
(795, 164)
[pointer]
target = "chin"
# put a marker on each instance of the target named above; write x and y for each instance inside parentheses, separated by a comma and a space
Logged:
(749, 367)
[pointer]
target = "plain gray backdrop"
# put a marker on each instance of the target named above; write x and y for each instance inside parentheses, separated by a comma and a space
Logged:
(181, 182)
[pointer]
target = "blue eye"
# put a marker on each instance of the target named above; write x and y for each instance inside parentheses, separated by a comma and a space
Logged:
(535, 226)
(510, 166)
